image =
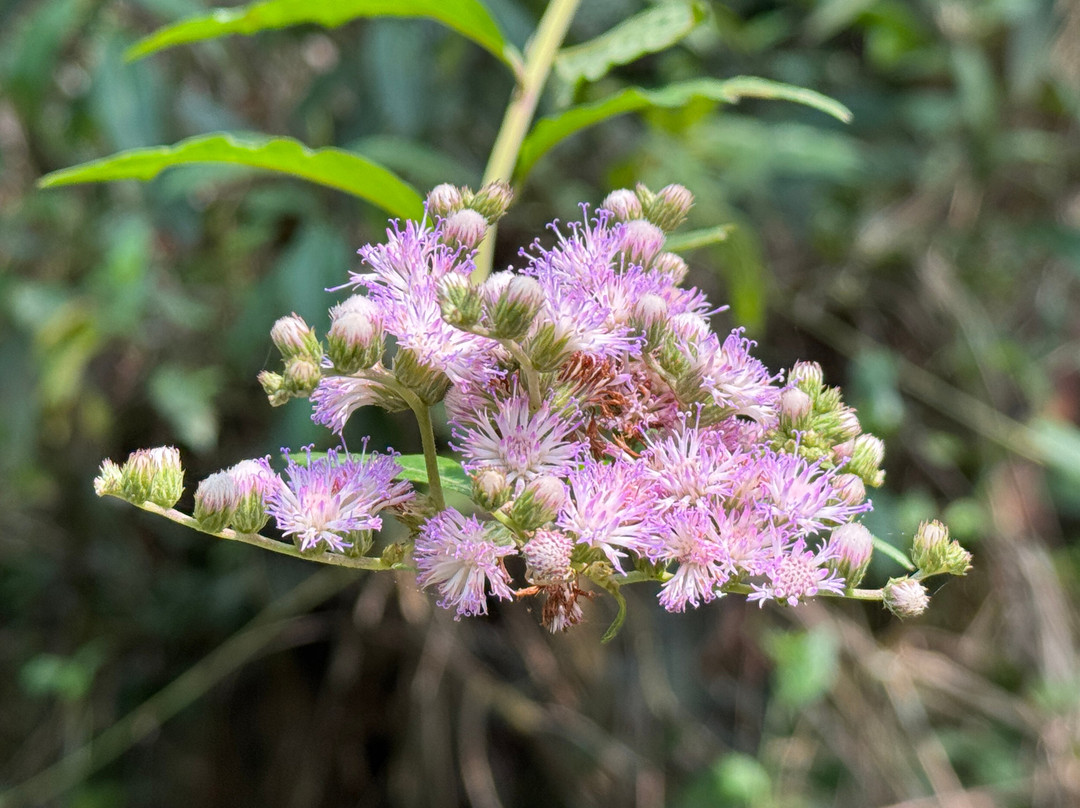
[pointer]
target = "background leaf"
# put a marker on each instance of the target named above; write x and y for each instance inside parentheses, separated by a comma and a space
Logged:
(549, 131)
(468, 17)
(650, 31)
(331, 167)
(452, 474)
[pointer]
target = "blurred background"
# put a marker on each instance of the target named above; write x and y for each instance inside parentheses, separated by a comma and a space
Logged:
(928, 255)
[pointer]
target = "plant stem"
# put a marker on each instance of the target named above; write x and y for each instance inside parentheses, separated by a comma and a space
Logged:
(539, 56)
(258, 540)
(532, 380)
(431, 457)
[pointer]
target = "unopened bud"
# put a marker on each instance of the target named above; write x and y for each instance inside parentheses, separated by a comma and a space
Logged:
(355, 340)
(539, 503)
(933, 553)
(670, 207)
(650, 317)
(273, 384)
(850, 488)
(444, 200)
(849, 423)
(490, 489)
(460, 301)
(109, 480)
(253, 479)
(294, 337)
(167, 483)
(807, 376)
(426, 381)
(852, 546)
(465, 228)
(905, 597)
(866, 457)
(302, 375)
(512, 313)
(624, 204)
(547, 555)
(493, 200)
(672, 265)
(795, 407)
(550, 347)
(642, 242)
(137, 476)
(215, 502)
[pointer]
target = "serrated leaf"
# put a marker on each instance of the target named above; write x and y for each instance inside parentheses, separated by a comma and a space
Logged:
(451, 473)
(551, 130)
(648, 32)
(696, 239)
(468, 17)
(334, 168)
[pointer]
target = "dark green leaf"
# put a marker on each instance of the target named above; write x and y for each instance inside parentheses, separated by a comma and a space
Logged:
(332, 167)
(648, 32)
(468, 17)
(451, 473)
(895, 554)
(551, 130)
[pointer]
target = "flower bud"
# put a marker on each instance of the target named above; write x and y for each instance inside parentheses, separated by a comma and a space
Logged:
(512, 313)
(466, 228)
(850, 488)
(426, 381)
(866, 457)
(670, 207)
(273, 384)
(852, 546)
(215, 502)
(650, 317)
(167, 482)
(443, 200)
(624, 204)
(302, 375)
(109, 480)
(672, 265)
(253, 479)
(933, 553)
(795, 407)
(489, 489)
(460, 301)
(547, 555)
(642, 242)
(137, 476)
(807, 376)
(549, 347)
(493, 200)
(539, 503)
(905, 597)
(294, 337)
(355, 340)
(849, 423)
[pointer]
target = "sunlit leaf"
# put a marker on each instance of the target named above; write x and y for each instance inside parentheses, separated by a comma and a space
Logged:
(696, 239)
(451, 473)
(468, 17)
(331, 167)
(551, 130)
(650, 31)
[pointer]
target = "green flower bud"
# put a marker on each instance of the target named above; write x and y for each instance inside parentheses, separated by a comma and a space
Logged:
(493, 200)
(253, 479)
(807, 376)
(460, 301)
(650, 317)
(466, 228)
(302, 375)
(934, 554)
(489, 489)
(109, 481)
(294, 337)
(669, 207)
(273, 384)
(355, 340)
(215, 502)
(444, 200)
(428, 383)
(905, 597)
(796, 408)
(642, 242)
(672, 265)
(167, 482)
(624, 204)
(549, 347)
(852, 546)
(513, 307)
(539, 503)
(137, 476)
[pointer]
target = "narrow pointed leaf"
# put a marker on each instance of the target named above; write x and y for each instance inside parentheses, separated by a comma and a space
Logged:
(451, 473)
(551, 130)
(468, 17)
(334, 168)
(696, 239)
(894, 553)
(650, 31)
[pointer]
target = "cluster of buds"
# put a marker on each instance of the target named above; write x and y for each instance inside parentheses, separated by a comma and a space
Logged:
(608, 434)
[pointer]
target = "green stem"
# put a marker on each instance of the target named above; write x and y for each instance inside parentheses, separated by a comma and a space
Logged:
(431, 457)
(334, 559)
(539, 56)
(532, 380)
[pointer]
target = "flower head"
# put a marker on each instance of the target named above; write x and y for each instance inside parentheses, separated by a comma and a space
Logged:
(797, 574)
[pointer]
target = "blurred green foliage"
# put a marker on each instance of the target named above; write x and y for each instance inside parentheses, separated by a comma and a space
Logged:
(927, 254)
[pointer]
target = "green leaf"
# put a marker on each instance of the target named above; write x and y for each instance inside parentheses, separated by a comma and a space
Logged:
(648, 32)
(620, 617)
(331, 167)
(468, 17)
(551, 130)
(695, 239)
(451, 473)
(894, 553)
